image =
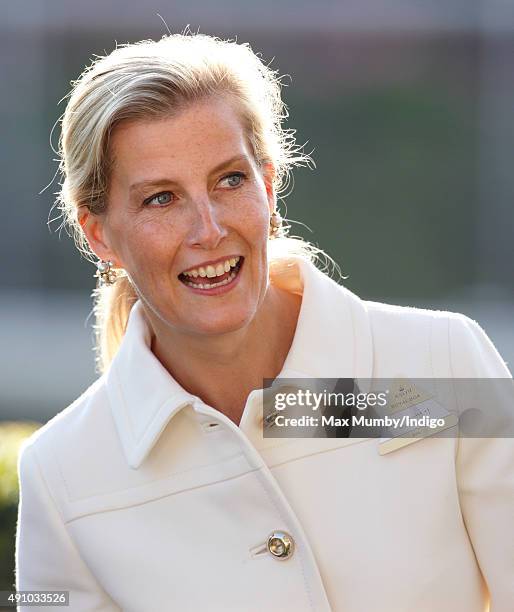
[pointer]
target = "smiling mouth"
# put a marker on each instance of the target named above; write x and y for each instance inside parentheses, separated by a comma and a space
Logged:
(205, 282)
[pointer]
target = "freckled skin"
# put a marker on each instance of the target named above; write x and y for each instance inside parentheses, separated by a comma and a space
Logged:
(207, 217)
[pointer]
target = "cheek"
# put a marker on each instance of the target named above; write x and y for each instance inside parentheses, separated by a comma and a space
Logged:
(251, 213)
(147, 245)
(254, 225)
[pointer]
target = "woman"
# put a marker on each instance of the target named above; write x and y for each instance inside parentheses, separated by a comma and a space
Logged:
(158, 488)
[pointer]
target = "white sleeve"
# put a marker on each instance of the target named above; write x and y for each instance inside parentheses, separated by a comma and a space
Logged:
(485, 468)
(46, 556)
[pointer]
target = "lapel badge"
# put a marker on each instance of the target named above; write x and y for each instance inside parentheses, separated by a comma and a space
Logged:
(412, 407)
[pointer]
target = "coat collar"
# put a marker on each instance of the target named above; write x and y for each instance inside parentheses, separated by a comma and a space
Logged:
(332, 340)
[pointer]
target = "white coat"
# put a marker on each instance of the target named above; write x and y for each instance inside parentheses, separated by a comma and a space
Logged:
(140, 497)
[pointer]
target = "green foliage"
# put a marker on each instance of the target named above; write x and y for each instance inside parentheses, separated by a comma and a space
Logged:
(12, 435)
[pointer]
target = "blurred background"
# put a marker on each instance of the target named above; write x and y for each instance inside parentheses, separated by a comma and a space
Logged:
(408, 107)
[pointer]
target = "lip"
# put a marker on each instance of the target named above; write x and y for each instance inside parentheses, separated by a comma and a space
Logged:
(218, 290)
(212, 262)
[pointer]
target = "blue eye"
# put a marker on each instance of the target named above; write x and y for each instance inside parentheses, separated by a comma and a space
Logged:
(235, 179)
(160, 199)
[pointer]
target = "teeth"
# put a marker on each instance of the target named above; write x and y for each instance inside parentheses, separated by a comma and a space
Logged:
(211, 271)
(226, 281)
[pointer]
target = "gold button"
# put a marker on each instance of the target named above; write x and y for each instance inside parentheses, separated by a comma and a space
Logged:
(280, 545)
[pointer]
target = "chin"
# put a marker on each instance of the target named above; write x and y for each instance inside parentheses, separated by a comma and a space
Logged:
(222, 325)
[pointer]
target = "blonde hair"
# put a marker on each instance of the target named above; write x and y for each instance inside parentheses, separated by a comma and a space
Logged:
(151, 79)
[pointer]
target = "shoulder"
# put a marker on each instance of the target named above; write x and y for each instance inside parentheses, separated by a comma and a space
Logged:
(69, 443)
(65, 426)
(387, 315)
(391, 320)
(432, 343)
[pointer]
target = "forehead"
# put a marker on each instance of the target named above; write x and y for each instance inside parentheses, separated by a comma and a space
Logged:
(198, 136)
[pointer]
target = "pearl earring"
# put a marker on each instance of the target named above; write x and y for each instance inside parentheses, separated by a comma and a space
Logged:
(105, 274)
(275, 223)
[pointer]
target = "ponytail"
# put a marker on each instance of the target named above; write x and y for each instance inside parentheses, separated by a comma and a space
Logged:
(112, 306)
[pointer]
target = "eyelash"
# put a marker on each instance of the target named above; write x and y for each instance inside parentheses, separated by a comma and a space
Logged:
(153, 197)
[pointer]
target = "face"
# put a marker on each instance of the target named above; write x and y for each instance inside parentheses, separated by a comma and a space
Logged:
(186, 195)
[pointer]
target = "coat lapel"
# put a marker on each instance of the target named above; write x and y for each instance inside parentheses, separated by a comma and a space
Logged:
(142, 394)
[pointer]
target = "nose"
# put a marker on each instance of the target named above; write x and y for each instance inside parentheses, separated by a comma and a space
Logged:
(207, 230)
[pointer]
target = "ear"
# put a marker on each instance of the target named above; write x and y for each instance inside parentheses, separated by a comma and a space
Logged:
(95, 231)
(268, 174)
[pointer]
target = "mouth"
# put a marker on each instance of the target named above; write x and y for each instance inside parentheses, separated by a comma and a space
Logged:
(208, 279)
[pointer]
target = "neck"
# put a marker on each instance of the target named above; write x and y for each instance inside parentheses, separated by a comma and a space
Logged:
(222, 370)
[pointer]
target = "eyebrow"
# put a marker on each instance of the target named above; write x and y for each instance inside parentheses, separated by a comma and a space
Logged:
(166, 181)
